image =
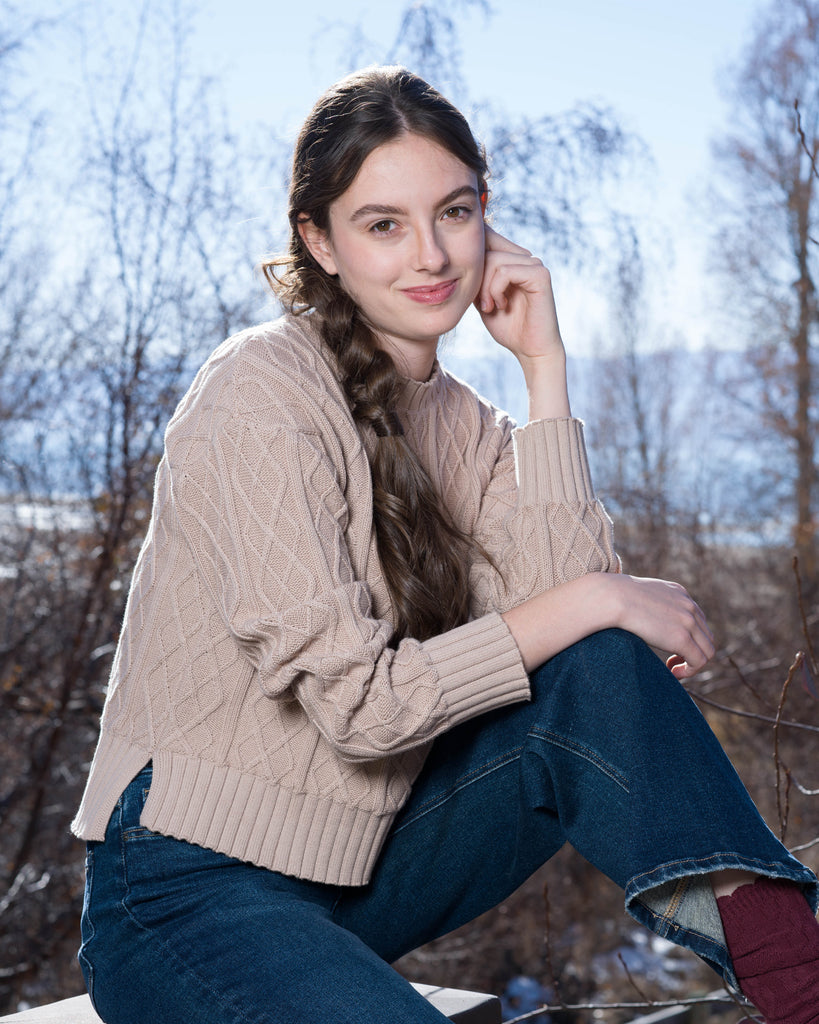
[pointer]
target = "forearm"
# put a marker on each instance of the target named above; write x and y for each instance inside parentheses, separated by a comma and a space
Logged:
(660, 612)
(548, 623)
(546, 386)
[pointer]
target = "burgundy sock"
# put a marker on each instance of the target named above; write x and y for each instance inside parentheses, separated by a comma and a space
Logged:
(773, 939)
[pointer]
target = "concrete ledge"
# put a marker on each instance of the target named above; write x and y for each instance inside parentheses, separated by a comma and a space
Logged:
(459, 1006)
(68, 1011)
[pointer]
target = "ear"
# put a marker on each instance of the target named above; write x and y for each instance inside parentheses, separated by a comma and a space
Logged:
(318, 245)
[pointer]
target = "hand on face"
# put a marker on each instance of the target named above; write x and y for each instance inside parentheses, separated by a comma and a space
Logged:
(516, 302)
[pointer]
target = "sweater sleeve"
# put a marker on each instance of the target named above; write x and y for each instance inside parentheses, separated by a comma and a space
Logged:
(540, 520)
(266, 511)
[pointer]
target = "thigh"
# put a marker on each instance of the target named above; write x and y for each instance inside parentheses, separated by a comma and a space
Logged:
(465, 840)
(175, 933)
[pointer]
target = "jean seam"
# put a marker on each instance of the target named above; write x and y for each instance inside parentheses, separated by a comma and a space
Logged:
(88, 971)
(139, 832)
(557, 740)
(169, 951)
(459, 784)
(186, 968)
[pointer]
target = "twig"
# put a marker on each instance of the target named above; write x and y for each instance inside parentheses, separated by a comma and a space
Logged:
(801, 133)
(805, 846)
(802, 613)
(744, 681)
(803, 789)
(632, 982)
(811, 157)
(783, 806)
(658, 1004)
(751, 714)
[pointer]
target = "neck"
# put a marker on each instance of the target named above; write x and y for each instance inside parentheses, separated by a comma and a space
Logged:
(414, 360)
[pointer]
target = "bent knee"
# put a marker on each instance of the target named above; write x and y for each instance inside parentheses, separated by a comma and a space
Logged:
(612, 661)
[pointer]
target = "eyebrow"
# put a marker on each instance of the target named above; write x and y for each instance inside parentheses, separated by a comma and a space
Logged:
(377, 209)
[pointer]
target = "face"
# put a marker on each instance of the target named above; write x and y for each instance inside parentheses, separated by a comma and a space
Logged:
(407, 242)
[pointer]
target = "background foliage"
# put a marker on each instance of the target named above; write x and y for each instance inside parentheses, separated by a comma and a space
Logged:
(707, 459)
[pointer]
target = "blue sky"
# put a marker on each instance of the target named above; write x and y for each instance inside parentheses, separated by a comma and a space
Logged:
(654, 61)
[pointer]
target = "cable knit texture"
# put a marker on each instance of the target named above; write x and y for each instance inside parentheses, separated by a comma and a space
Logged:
(254, 665)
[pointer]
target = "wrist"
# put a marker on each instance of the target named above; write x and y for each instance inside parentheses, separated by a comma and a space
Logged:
(546, 385)
(545, 365)
(603, 598)
(612, 600)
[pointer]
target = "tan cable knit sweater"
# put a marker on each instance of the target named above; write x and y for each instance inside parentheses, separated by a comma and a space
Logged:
(253, 665)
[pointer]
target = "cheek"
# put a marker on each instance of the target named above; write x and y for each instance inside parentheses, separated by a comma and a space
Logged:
(473, 258)
(365, 269)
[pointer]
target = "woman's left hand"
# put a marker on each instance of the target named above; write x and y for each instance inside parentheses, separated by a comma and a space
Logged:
(517, 306)
(516, 301)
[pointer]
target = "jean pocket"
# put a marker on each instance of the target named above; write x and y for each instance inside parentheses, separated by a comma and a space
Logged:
(131, 832)
(132, 802)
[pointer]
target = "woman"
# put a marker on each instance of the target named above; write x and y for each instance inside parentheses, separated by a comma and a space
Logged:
(378, 662)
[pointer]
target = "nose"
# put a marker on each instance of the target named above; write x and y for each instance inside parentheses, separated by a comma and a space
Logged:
(430, 253)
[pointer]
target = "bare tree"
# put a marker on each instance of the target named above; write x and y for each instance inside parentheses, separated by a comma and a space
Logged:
(766, 247)
(634, 413)
(21, 248)
(548, 169)
(160, 273)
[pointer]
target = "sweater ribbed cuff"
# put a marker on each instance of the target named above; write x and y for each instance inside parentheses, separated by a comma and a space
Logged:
(552, 462)
(479, 667)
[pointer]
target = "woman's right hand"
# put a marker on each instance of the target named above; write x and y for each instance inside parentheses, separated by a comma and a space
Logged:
(658, 611)
(666, 616)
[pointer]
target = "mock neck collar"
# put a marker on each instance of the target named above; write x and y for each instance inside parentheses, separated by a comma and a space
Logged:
(420, 394)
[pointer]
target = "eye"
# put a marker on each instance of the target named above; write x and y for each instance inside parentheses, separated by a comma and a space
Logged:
(382, 227)
(457, 212)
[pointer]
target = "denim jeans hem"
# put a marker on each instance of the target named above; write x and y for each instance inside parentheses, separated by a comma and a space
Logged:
(675, 900)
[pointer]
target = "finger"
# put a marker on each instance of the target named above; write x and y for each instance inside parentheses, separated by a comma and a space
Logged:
(695, 625)
(514, 270)
(496, 242)
(677, 666)
(693, 654)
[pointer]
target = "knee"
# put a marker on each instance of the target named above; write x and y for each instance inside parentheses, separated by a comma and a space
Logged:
(615, 647)
(604, 667)
(607, 648)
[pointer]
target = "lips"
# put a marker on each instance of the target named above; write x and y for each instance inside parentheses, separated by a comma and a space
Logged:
(432, 294)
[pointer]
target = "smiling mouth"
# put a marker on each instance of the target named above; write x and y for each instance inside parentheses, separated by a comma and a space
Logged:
(432, 294)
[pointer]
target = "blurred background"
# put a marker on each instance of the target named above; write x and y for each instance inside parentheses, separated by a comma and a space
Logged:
(660, 157)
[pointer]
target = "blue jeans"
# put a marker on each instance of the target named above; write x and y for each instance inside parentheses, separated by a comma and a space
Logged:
(611, 755)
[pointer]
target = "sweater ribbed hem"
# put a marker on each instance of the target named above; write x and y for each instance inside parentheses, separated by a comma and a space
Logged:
(254, 820)
(552, 463)
(479, 668)
(240, 815)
